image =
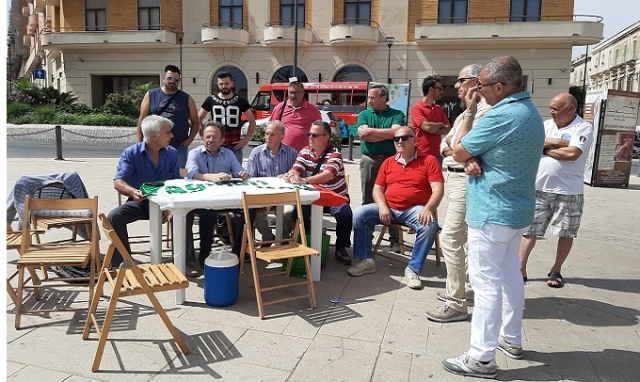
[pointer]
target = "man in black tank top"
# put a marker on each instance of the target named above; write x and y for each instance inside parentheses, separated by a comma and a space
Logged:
(227, 108)
(172, 103)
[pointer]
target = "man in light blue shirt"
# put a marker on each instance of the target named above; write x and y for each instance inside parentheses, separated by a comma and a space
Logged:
(502, 150)
(214, 163)
(273, 158)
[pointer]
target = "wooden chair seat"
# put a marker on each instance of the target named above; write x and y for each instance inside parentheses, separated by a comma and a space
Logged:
(58, 254)
(131, 279)
(160, 277)
(402, 230)
(284, 249)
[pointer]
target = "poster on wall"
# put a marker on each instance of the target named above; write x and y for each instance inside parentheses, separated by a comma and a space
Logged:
(617, 121)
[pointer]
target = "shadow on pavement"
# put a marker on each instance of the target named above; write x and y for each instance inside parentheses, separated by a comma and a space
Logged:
(580, 311)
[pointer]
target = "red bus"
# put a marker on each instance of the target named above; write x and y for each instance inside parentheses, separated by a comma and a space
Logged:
(343, 99)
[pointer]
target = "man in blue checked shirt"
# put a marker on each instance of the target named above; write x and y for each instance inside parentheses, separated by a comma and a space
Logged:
(273, 158)
(150, 160)
(214, 163)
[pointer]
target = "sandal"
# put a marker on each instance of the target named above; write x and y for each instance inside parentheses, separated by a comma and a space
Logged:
(555, 280)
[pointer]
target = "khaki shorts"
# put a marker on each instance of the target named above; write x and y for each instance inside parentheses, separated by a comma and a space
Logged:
(563, 212)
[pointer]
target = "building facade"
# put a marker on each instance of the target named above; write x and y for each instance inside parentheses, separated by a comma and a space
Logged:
(615, 62)
(95, 47)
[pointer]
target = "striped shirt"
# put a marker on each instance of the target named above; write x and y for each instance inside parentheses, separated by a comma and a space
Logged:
(306, 163)
(262, 163)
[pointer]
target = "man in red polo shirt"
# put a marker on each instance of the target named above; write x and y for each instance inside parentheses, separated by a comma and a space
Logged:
(428, 119)
(297, 115)
(408, 189)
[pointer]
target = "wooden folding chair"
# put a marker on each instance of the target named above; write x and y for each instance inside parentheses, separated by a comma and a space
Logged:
(14, 241)
(287, 249)
(402, 230)
(67, 253)
(130, 279)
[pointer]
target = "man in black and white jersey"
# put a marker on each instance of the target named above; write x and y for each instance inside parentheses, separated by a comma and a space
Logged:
(227, 108)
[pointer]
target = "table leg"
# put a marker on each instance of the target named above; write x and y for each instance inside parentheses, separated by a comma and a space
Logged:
(316, 240)
(179, 255)
(279, 222)
(155, 233)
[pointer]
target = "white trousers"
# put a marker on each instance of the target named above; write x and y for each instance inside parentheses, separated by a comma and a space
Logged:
(494, 272)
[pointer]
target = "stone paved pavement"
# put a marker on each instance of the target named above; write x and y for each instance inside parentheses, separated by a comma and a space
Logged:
(587, 331)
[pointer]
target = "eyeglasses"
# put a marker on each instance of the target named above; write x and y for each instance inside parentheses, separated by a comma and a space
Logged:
(438, 88)
(173, 79)
(480, 86)
(314, 135)
(402, 138)
(461, 80)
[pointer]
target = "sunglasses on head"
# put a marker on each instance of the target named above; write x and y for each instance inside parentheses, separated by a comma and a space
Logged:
(314, 135)
(173, 79)
(402, 138)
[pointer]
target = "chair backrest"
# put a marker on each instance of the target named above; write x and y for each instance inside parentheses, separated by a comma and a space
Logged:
(274, 199)
(33, 205)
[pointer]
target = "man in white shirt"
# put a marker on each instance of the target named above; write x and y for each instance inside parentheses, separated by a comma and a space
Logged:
(559, 183)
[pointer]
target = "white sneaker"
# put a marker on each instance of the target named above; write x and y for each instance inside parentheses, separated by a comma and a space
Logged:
(394, 246)
(468, 366)
(411, 279)
(362, 268)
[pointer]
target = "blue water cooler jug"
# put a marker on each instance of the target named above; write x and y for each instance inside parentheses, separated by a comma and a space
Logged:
(221, 271)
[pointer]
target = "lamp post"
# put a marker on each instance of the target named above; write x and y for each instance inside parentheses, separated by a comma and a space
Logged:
(390, 41)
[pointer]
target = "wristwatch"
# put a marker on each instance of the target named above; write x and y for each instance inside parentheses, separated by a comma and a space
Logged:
(468, 114)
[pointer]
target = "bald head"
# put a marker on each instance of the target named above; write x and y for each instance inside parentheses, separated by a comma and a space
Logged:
(563, 109)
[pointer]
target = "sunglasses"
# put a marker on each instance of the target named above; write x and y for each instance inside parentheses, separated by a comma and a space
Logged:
(461, 80)
(438, 88)
(402, 138)
(173, 79)
(314, 135)
(480, 86)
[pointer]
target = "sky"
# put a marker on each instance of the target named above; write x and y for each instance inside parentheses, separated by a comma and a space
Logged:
(617, 14)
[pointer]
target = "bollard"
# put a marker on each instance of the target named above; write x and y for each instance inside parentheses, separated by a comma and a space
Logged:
(59, 142)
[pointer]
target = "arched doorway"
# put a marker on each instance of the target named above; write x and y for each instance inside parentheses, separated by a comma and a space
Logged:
(352, 73)
(283, 74)
(237, 75)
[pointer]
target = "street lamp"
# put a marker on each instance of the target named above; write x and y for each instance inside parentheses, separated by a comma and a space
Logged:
(390, 41)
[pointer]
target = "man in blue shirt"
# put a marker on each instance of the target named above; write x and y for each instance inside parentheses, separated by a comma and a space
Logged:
(273, 158)
(507, 141)
(211, 162)
(150, 160)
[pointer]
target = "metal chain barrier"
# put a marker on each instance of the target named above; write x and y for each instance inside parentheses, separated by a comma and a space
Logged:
(30, 133)
(97, 137)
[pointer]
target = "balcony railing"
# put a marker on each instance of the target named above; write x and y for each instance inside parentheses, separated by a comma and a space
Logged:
(501, 19)
(115, 36)
(352, 32)
(110, 27)
(282, 33)
(573, 29)
(223, 33)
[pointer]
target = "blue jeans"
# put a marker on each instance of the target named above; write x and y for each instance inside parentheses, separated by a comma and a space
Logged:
(183, 153)
(367, 217)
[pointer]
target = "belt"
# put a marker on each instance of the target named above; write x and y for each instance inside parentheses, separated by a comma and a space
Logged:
(454, 169)
(378, 157)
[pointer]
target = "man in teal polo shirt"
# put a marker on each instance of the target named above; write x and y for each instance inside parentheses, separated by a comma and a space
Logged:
(507, 141)
(376, 127)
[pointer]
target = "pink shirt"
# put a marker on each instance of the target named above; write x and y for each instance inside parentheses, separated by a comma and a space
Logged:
(297, 122)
